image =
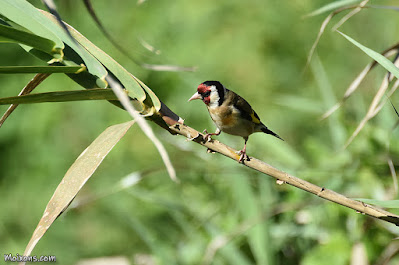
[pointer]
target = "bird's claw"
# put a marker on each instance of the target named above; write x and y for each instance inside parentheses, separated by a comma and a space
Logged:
(207, 136)
(243, 156)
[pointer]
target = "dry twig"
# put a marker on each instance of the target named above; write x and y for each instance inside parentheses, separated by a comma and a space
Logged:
(267, 169)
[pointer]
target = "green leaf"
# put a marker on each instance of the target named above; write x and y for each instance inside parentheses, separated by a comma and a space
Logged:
(393, 204)
(10, 34)
(136, 88)
(26, 15)
(43, 24)
(379, 58)
(332, 6)
(40, 69)
(247, 204)
(62, 96)
(77, 175)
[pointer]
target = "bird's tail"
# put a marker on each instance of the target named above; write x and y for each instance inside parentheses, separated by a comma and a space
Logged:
(266, 130)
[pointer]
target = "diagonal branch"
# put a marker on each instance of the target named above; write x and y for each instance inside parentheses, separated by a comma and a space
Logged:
(261, 166)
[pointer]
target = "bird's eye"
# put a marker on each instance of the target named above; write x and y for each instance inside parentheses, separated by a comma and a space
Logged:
(207, 93)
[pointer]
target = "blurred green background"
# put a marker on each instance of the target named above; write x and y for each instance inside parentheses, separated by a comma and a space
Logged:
(256, 48)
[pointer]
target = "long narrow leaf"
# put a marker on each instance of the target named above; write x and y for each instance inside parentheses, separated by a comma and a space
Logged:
(127, 79)
(40, 69)
(77, 175)
(31, 18)
(371, 111)
(90, 61)
(26, 15)
(384, 62)
(10, 34)
(61, 96)
(130, 82)
(359, 78)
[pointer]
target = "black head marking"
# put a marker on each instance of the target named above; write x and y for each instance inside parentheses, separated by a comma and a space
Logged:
(219, 87)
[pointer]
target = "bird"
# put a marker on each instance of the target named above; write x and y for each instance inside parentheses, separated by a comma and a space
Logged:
(231, 114)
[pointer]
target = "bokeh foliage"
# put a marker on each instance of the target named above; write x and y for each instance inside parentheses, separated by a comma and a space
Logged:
(256, 48)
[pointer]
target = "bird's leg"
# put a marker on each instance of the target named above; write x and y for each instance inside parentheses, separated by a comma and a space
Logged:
(208, 136)
(243, 152)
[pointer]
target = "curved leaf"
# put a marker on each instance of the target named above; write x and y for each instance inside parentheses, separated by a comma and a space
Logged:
(130, 82)
(77, 175)
(27, 16)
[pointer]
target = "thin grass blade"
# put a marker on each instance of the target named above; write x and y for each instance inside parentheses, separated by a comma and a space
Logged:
(393, 174)
(77, 175)
(351, 89)
(61, 96)
(321, 31)
(41, 69)
(357, 81)
(351, 14)
(389, 94)
(331, 6)
(371, 111)
(126, 103)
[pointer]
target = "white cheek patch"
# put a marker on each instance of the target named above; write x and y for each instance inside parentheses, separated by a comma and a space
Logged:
(214, 97)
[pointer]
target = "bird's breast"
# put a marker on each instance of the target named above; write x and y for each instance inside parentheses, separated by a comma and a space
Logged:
(228, 120)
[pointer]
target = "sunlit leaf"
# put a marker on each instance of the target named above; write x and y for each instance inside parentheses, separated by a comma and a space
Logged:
(384, 62)
(127, 79)
(77, 175)
(26, 15)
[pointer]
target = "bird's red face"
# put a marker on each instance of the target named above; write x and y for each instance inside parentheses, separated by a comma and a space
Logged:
(203, 93)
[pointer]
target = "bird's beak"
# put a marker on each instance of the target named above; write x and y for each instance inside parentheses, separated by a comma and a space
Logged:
(195, 96)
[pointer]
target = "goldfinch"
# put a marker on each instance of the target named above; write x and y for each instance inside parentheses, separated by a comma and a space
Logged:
(231, 113)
